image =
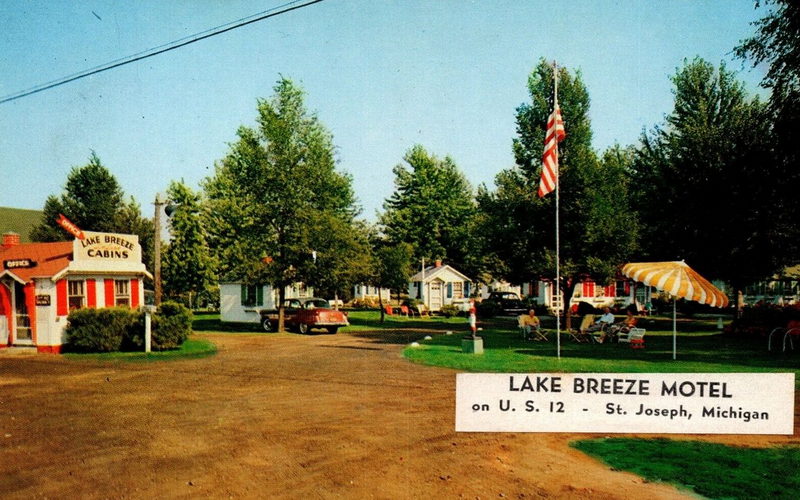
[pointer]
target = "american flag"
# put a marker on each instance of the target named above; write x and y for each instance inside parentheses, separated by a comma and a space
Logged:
(555, 134)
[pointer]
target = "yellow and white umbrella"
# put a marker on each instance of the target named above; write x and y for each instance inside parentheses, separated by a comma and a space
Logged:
(680, 281)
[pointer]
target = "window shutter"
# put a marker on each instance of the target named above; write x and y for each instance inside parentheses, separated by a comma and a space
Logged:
(466, 289)
(62, 307)
(244, 293)
(108, 292)
(91, 293)
(449, 290)
(135, 292)
(260, 295)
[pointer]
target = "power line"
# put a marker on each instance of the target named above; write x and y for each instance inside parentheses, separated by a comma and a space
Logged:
(176, 44)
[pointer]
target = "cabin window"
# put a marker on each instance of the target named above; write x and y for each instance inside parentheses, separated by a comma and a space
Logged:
(75, 295)
(122, 296)
(252, 295)
(458, 290)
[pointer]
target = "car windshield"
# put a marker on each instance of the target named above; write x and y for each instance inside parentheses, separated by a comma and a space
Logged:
(315, 303)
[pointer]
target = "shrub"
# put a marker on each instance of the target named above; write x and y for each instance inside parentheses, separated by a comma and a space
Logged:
(489, 309)
(170, 327)
(99, 330)
(449, 310)
(365, 303)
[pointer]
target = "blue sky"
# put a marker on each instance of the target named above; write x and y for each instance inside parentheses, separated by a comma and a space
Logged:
(382, 75)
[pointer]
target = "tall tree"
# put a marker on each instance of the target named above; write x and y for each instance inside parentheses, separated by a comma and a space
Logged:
(432, 208)
(188, 265)
(707, 179)
(275, 183)
(597, 226)
(94, 201)
(777, 43)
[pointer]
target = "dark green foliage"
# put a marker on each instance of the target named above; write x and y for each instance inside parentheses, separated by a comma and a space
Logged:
(94, 201)
(709, 469)
(278, 194)
(598, 227)
(707, 180)
(122, 329)
(433, 209)
(172, 325)
(189, 270)
(99, 330)
(488, 309)
(777, 44)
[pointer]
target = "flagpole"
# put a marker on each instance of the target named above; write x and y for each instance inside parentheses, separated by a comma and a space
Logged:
(558, 248)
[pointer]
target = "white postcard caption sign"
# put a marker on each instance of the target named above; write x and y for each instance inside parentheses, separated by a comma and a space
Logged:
(682, 403)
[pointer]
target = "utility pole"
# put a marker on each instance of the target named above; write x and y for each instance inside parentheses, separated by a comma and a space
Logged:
(159, 203)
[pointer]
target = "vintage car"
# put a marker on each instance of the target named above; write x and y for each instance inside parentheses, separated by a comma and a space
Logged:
(506, 302)
(303, 315)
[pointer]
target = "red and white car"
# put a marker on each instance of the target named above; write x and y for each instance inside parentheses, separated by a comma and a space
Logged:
(303, 315)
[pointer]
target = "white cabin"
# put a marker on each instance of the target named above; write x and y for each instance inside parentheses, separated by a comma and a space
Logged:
(241, 303)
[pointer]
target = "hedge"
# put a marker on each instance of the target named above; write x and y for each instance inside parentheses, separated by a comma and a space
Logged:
(122, 329)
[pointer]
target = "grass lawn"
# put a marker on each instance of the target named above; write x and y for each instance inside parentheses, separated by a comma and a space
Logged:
(191, 349)
(700, 349)
(738, 472)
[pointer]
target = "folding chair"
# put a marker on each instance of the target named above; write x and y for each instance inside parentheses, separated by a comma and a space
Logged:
(530, 332)
(404, 311)
(580, 335)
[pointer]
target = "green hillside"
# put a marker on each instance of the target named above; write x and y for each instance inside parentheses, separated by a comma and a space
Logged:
(19, 220)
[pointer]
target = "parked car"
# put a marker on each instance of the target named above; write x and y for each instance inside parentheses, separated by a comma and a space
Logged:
(303, 315)
(507, 302)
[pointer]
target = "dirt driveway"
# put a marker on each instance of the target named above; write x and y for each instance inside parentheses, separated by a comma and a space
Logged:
(274, 416)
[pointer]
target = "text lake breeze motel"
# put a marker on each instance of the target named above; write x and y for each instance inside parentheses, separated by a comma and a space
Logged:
(41, 282)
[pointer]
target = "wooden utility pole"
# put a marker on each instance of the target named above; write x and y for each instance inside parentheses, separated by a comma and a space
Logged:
(159, 203)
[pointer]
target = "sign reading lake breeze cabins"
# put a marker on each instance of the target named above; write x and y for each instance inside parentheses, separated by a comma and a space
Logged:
(107, 247)
(680, 403)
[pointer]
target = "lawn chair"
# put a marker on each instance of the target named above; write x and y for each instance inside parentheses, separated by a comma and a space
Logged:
(529, 332)
(634, 336)
(388, 309)
(792, 329)
(404, 311)
(581, 335)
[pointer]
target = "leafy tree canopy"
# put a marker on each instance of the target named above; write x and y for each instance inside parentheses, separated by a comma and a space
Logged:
(432, 209)
(597, 226)
(705, 179)
(94, 201)
(276, 193)
(188, 264)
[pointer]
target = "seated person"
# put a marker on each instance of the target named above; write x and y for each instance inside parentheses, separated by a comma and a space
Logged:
(624, 326)
(529, 322)
(606, 320)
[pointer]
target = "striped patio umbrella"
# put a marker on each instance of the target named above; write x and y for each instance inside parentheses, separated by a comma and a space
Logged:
(678, 280)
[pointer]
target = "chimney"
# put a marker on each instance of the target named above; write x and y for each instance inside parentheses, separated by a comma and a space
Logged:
(10, 240)
(438, 262)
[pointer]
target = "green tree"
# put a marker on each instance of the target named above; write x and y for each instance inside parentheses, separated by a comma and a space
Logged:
(776, 43)
(275, 183)
(432, 208)
(706, 180)
(598, 229)
(391, 267)
(188, 265)
(344, 258)
(94, 201)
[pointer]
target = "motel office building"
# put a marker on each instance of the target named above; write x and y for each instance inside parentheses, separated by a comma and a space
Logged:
(40, 283)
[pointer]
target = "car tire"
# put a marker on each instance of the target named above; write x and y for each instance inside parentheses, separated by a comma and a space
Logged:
(266, 324)
(303, 328)
(333, 329)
